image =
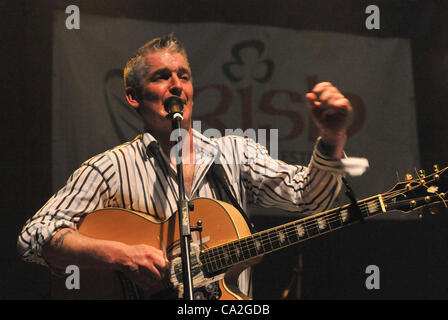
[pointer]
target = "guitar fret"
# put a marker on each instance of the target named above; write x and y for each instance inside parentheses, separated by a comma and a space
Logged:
(214, 265)
(218, 260)
(226, 255)
(245, 248)
(311, 230)
(292, 234)
(279, 238)
(261, 238)
(221, 255)
(266, 240)
(233, 253)
(344, 215)
(283, 235)
(240, 250)
(373, 207)
(339, 214)
(251, 247)
(327, 222)
(321, 223)
(209, 262)
(335, 221)
(259, 244)
(301, 231)
(273, 241)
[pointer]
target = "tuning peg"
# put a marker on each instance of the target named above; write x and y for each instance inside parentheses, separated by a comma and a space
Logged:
(422, 173)
(408, 177)
(436, 168)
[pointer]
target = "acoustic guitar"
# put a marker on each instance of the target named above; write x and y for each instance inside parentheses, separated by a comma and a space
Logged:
(224, 246)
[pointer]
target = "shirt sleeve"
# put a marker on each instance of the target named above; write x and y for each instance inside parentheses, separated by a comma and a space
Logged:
(273, 183)
(87, 189)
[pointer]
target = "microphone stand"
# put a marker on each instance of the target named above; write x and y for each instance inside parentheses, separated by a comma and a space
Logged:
(183, 211)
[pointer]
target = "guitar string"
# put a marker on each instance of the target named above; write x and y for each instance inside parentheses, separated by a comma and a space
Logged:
(213, 255)
(265, 238)
(217, 254)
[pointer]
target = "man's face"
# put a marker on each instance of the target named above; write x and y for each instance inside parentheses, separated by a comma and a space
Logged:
(168, 74)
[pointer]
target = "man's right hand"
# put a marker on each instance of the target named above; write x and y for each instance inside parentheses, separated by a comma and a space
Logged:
(145, 265)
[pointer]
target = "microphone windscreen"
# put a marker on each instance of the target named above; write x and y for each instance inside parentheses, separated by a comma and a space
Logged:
(173, 104)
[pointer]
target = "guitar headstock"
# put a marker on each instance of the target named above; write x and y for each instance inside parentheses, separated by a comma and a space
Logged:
(425, 194)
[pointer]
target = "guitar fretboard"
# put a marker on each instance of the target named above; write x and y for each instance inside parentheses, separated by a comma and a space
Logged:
(221, 257)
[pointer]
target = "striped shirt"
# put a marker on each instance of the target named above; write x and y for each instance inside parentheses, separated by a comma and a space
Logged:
(138, 176)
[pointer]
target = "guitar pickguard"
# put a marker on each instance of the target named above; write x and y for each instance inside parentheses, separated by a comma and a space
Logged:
(205, 287)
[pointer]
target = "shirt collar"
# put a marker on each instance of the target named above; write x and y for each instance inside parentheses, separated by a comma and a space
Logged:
(204, 147)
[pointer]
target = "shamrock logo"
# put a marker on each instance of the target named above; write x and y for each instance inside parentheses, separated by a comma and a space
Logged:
(248, 62)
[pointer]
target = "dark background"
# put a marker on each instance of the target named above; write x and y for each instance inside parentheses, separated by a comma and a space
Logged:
(412, 255)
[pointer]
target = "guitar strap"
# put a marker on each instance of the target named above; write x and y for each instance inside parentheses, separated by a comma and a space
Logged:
(217, 173)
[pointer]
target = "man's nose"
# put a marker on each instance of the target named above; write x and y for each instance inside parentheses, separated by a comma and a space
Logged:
(176, 86)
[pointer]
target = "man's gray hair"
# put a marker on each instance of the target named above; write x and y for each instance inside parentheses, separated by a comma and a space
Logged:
(135, 69)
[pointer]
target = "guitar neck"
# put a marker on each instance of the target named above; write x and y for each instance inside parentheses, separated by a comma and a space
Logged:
(224, 256)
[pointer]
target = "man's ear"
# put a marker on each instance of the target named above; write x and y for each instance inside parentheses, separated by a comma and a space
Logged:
(131, 97)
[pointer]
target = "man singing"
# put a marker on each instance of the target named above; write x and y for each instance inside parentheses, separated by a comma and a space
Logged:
(140, 175)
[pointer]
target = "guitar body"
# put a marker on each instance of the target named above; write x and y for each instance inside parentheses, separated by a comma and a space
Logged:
(221, 223)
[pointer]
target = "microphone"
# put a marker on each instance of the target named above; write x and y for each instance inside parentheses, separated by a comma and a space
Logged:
(174, 106)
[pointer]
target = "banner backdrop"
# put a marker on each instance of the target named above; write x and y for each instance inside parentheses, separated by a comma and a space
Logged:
(252, 78)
